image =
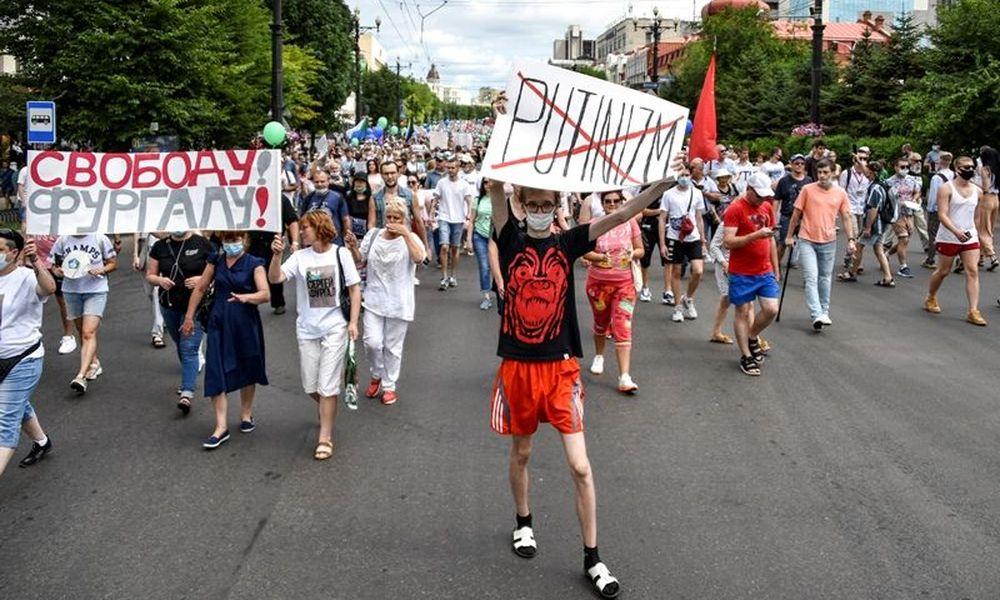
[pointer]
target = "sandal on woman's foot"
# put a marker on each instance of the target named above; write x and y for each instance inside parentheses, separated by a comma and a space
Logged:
(721, 339)
(524, 542)
(184, 403)
(883, 283)
(846, 276)
(158, 341)
(994, 263)
(324, 450)
(607, 586)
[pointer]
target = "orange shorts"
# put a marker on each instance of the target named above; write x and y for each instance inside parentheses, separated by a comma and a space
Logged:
(526, 393)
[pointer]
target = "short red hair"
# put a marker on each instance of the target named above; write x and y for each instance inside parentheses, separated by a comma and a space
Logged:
(322, 225)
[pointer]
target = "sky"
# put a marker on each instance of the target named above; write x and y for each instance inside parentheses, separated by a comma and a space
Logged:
(474, 42)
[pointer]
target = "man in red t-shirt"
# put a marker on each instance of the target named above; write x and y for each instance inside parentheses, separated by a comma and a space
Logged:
(753, 268)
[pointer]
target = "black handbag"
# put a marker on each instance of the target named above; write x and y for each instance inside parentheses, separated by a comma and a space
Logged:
(7, 364)
(344, 295)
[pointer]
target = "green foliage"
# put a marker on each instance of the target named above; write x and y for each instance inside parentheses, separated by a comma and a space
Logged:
(881, 147)
(378, 92)
(956, 100)
(420, 102)
(591, 71)
(325, 28)
(302, 71)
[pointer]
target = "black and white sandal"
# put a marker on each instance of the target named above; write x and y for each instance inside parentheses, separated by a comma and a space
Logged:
(524, 543)
(607, 586)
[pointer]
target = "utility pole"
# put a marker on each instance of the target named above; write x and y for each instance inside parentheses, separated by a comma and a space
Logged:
(656, 28)
(817, 60)
(277, 72)
(399, 99)
(358, 28)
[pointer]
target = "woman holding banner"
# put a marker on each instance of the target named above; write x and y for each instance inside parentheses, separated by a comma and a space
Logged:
(235, 354)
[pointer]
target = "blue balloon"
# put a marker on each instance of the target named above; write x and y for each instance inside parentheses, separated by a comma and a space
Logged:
(690, 126)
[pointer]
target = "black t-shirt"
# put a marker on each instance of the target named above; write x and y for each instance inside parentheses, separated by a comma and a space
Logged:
(178, 260)
(788, 190)
(539, 316)
(260, 241)
(357, 204)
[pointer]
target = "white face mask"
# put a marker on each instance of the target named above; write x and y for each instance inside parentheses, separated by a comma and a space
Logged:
(540, 221)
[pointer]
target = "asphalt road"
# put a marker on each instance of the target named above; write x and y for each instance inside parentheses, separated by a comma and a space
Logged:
(864, 463)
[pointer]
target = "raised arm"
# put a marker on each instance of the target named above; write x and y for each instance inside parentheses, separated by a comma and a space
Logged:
(630, 209)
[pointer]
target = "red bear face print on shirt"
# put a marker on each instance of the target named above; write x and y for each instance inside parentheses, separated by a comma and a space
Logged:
(536, 295)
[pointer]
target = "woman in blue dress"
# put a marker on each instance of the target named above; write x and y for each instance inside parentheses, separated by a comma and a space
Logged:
(235, 355)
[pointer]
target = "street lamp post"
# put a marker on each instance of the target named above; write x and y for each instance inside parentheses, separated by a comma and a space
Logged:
(817, 60)
(656, 28)
(399, 100)
(277, 73)
(358, 28)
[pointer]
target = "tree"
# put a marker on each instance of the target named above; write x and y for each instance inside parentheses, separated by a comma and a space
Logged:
(955, 101)
(419, 102)
(592, 71)
(325, 28)
(302, 71)
(198, 69)
(379, 92)
(762, 83)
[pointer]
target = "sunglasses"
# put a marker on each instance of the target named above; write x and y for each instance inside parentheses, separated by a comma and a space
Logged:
(613, 201)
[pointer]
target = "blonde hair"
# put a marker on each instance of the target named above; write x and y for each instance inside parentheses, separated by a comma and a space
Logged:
(397, 206)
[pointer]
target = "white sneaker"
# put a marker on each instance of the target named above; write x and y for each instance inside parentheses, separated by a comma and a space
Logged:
(825, 319)
(689, 310)
(416, 282)
(597, 367)
(645, 295)
(451, 282)
(626, 385)
(678, 316)
(94, 371)
(668, 298)
(67, 344)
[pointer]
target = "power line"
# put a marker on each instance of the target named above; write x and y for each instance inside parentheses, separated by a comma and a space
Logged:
(392, 22)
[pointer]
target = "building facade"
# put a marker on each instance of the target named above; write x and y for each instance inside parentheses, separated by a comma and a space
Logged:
(627, 35)
(849, 11)
(372, 52)
(573, 46)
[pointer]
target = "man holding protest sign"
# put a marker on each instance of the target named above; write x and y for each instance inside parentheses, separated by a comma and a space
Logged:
(539, 376)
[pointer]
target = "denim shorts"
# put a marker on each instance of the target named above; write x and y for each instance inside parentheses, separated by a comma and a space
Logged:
(15, 399)
(78, 305)
(450, 234)
(747, 288)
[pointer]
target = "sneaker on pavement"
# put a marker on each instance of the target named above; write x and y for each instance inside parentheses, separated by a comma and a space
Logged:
(825, 318)
(486, 304)
(373, 387)
(645, 295)
(904, 271)
(668, 299)
(597, 367)
(928, 264)
(36, 454)
(248, 426)
(94, 371)
(389, 397)
(817, 323)
(626, 385)
(451, 282)
(976, 318)
(931, 305)
(79, 384)
(215, 441)
(67, 344)
(443, 285)
(689, 310)
(416, 282)
(678, 315)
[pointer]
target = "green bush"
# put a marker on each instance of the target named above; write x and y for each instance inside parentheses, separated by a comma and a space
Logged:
(884, 148)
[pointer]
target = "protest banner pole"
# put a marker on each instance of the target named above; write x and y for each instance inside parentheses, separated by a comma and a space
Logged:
(784, 283)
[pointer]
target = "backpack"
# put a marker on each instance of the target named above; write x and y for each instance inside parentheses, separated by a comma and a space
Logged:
(886, 207)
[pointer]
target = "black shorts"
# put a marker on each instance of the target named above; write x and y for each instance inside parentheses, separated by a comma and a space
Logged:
(650, 242)
(678, 251)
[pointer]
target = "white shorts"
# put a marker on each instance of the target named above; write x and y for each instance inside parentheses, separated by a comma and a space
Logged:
(322, 362)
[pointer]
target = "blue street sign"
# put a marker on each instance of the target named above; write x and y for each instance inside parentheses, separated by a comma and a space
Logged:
(41, 122)
(650, 85)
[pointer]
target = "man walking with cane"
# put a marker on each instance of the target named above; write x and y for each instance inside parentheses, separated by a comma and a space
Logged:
(753, 268)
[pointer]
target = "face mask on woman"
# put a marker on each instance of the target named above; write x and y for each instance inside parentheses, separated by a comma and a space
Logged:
(233, 248)
(540, 221)
(966, 173)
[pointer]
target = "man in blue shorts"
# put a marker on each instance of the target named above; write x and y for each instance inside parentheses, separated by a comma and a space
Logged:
(753, 268)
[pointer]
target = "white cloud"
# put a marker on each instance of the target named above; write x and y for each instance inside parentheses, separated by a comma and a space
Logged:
(473, 42)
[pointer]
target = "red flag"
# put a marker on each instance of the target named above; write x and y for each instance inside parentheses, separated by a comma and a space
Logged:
(703, 134)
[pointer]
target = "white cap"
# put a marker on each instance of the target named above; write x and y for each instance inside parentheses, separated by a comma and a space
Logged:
(761, 183)
(722, 173)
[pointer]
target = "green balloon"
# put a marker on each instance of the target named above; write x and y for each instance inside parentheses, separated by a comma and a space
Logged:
(355, 142)
(394, 130)
(274, 133)
(383, 122)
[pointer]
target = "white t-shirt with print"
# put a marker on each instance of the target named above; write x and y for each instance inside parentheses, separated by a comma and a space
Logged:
(317, 288)
(773, 170)
(20, 313)
(389, 291)
(452, 207)
(677, 203)
(98, 247)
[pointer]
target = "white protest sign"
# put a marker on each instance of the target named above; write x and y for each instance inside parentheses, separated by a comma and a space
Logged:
(573, 133)
(438, 139)
(463, 139)
(322, 145)
(87, 192)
